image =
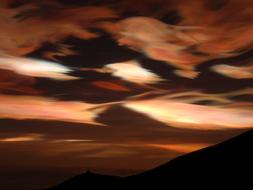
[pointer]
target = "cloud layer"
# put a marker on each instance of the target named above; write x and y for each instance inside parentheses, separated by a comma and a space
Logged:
(119, 87)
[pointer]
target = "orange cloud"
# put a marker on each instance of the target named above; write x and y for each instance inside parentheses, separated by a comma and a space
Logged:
(36, 25)
(28, 107)
(111, 86)
(62, 51)
(180, 110)
(203, 34)
(182, 148)
(91, 149)
(130, 71)
(24, 138)
(163, 42)
(15, 83)
(242, 72)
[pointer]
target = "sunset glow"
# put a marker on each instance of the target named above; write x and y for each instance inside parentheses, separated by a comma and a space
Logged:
(119, 87)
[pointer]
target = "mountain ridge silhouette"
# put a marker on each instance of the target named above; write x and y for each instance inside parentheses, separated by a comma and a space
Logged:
(229, 163)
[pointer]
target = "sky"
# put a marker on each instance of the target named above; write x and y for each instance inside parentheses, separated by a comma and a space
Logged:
(118, 87)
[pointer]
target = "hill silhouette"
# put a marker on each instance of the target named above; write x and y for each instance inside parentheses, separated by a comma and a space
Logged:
(229, 163)
(89, 179)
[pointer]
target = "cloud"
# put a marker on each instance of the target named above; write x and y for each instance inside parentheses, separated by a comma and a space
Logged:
(110, 86)
(163, 42)
(23, 29)
(28, 107)
(182, 111)
(35, 68)
(204, 32)
(182, 148)
(19, 84)
(133, 72)
(62, 50)
(24, 138)
(73, 140)
(242, 72)
(90, 149)
(130, 71)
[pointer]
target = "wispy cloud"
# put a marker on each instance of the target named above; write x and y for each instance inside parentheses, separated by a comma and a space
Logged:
(182, 111)
(201, 35)
(36, 68)
(23, 29)
(111, 86)
(28, 107)
(236, 72)
(182, 148)
(23, 138)
(62, 50)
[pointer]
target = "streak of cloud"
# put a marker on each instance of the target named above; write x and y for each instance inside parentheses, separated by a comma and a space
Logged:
(110, 86)
(28, 107)
(73, 140)
(185, 113)
(183, 148)
(24, 138)
(242, 72)
(36, 68)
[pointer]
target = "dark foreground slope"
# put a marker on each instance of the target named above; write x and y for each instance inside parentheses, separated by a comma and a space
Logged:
(229, 163)
(88, 179)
